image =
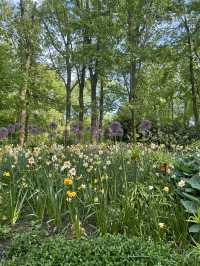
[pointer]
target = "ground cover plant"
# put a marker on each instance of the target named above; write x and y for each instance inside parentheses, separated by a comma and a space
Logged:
(29, 249)
(99, 132)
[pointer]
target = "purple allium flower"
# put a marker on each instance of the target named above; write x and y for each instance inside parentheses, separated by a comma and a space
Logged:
(53, 125)
(34, 130)
(3, 132)
(17, 126)
(145, 125)
(76, 129)
(115, 129)
(11, 128)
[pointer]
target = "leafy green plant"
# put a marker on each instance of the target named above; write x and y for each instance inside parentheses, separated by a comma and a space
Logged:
(33, 249)
(5, 231)
(186, 181)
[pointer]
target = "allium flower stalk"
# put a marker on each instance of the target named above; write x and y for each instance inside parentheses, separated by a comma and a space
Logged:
(115, 129)
(53, 125)
(145, 125)
(3, 133)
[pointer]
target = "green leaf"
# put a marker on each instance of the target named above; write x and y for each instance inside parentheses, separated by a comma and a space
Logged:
(195, 228)
(190, 197)
(194, 182)
(190, 206)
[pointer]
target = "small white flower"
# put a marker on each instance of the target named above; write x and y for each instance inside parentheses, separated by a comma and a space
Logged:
(181, 183)
(56, 166)
(54, 158)
(96, 199)
(81, 155)
(162, 225)
(66, 165)
(31, 161)
(72, 171)
(85, 164)
(150, 187)
(153, 146)
(108, 162)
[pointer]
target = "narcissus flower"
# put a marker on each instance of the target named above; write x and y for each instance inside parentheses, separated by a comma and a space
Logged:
(31, 161)
(162, 225)
(68, 181)
(72, 171)
(181, 183)
(166, 189)
(6, 174)
(71, 194)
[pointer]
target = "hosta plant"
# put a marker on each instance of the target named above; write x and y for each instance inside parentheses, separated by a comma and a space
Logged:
(186, 180)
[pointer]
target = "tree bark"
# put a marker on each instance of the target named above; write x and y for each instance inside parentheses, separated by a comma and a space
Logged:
(25, 65)
(68, 103)
(94, 116)
(81, 81)
(101, 109)
(185, 117)
(132, 73)
(191, 70)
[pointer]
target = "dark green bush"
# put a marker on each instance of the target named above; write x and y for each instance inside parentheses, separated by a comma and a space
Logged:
(29, 249)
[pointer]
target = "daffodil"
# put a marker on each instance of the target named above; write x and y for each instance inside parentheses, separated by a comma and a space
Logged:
(71, 194)
(6, 174)
(68, 181)
(166, 189)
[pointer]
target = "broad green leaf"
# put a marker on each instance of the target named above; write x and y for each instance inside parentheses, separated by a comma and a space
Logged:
(194, 182)
(190, 206)
(195, 228)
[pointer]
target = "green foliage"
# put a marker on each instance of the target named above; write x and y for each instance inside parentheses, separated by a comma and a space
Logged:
(5, 232)
(30, 249)
(185, 178)
(115, 188)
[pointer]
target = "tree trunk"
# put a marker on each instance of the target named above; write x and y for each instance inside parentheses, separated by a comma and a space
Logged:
(94, 116)
(192, 80)
(81, 81)
(25, 65)
(23, 115)
(132, 73)
(172, 109)
(132, 100)
(185, 118)
(68, 103)
(101, 109)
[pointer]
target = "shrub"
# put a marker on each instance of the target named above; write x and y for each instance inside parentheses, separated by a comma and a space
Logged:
(28, 249)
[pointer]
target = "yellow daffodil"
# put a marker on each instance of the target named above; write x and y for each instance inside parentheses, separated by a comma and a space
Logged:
(6, 174)
(68, 181)
(71, 194)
